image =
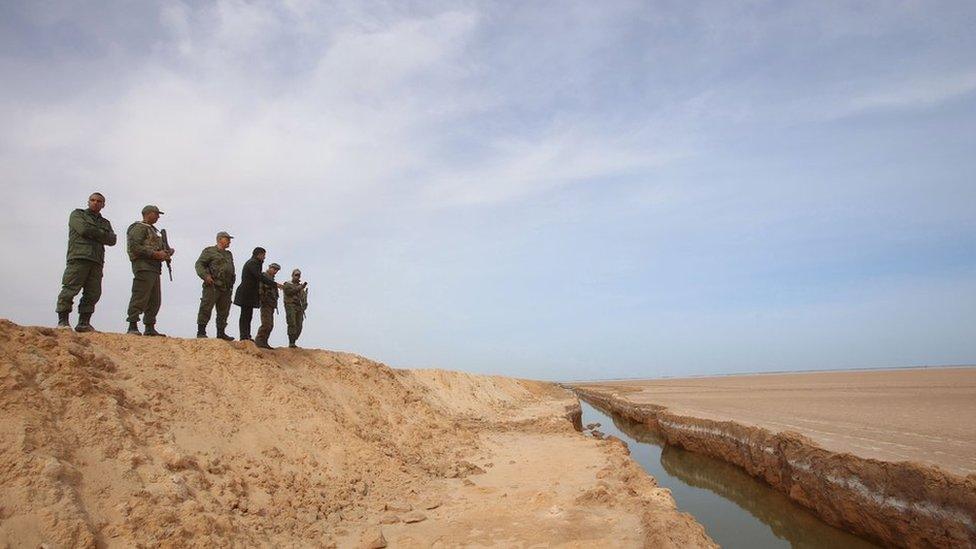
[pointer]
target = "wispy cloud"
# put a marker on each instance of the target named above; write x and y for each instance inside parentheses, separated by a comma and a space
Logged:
(517, 169)
(918, 93)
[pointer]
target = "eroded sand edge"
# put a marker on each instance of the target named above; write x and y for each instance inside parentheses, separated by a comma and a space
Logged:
(902, 504)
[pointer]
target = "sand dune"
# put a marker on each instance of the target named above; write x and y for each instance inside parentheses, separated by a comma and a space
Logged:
(109, 440)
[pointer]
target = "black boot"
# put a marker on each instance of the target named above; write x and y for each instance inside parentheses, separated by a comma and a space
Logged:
(133, 329)
(84, 323)
(63, 321)
(151, 331)
(262, 343)
(222, 334)
(202, 331)
(291, 342)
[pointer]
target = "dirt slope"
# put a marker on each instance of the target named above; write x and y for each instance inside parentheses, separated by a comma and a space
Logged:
(118, 441)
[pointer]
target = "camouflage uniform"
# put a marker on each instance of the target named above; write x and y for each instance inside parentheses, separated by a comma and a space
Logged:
(269, 306)
(296, 301)
(219, 264)
(142, 241)
(88, 234)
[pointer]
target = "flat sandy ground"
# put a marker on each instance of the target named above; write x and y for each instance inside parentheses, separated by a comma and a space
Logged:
(925, 415)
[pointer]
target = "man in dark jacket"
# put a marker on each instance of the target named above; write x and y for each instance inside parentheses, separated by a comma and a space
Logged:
(247, 296)
(216, 268)
(88, 234)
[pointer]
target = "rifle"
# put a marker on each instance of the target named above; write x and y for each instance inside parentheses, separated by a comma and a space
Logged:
(169, 262)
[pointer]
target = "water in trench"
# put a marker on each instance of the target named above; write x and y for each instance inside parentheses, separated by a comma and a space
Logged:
(736, 509)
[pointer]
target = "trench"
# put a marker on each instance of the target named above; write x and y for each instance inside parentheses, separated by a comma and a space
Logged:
(736, 509)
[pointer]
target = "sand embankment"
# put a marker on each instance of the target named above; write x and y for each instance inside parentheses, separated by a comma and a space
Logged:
(109, 440)
(887, 455)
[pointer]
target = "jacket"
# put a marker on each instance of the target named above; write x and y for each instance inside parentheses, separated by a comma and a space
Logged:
(269, 294)
(295, 295)
(247, 294)
(219, 264)
(88, 234)
(142, 241)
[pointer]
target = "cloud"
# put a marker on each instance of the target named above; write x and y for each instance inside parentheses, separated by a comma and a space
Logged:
(917, 93)
(368, 110)
(519, 168)
(448, 172)
(360, 113)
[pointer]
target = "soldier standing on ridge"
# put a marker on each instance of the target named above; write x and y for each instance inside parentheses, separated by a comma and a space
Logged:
(216, 268)
(269, 306)
(296, 301)
(147, 254)
(247, 295)
(88, 234)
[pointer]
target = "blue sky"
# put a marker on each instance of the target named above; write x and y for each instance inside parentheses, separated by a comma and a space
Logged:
(581, 190)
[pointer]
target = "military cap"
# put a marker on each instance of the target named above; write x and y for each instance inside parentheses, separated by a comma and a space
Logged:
(274, 266)
(299, 271)
(224, 234)
(151, 208)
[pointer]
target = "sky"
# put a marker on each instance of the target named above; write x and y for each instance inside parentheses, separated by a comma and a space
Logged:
(568, 190)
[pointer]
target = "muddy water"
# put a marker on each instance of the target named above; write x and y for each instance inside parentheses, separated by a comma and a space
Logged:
(736, 509)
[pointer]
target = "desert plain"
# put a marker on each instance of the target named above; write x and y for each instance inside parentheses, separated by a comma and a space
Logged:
(927, 415)
(888, 455)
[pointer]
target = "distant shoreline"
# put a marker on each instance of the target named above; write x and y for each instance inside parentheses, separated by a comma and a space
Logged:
(774, 372)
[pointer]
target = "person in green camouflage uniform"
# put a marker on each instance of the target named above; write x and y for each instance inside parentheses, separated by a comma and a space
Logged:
(216, 268)
(296, 301)
(147, 253)
(269, 306)
(88, 234)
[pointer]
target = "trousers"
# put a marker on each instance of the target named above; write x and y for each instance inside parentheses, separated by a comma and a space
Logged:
(295, 317)
(244, 324)
(80, 276)
(214, 297)
(267, 322)
(146, 297)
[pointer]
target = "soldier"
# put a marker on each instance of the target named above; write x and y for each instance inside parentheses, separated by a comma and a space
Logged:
(88, 234)
(296, 301)
(147, 253)
(269, 306)
(216, 268)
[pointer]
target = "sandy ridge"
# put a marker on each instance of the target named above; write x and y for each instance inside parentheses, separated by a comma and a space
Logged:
(109, 440)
